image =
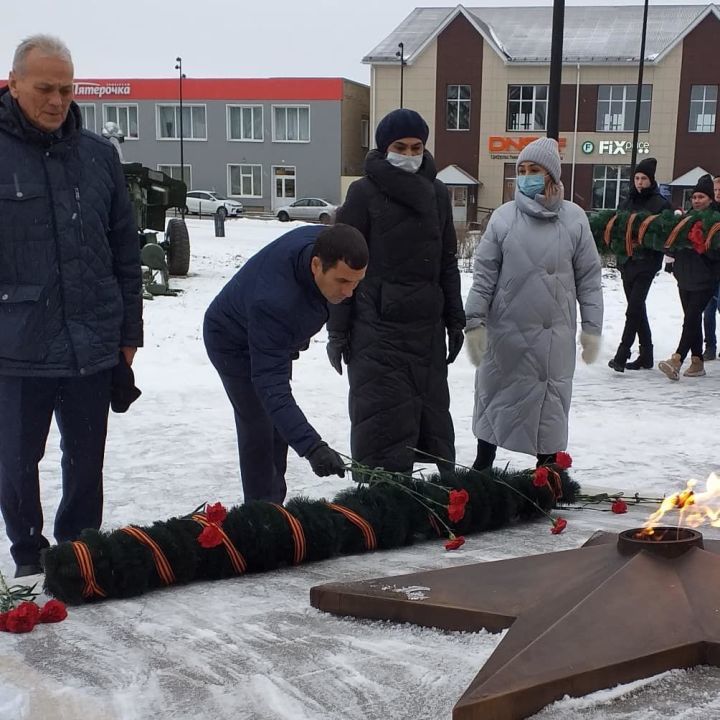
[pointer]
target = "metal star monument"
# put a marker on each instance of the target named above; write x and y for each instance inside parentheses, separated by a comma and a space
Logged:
(615, 610)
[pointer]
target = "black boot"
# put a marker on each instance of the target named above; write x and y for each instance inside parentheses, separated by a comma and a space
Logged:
(621, 357)
(485, 455)
(644, 360)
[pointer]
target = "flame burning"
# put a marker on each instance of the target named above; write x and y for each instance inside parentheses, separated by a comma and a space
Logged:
(695, 508)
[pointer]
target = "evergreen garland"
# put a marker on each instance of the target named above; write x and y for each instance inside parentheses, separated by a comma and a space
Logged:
(125, 567)
(610, 230)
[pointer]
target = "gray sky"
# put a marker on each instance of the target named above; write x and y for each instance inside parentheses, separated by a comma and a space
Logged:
(227, 38)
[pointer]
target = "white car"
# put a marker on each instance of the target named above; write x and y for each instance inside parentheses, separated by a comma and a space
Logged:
(208, 202)
(310, 209)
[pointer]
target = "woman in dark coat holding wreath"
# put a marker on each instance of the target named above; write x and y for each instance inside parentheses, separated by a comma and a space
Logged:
(638, 272)
(392, 333)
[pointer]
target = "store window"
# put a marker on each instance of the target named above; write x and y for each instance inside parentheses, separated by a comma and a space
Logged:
(88, 116)
(193, 121)
(610, 185)
(174, 172)
(509, 182)
(291, 123)
(616, 108)
(527, 107)
(703, 107)
(458, 107)
(245, 122)
(125, 117)
(245, 180)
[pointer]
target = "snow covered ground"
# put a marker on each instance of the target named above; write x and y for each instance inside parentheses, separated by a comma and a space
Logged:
(252, 648)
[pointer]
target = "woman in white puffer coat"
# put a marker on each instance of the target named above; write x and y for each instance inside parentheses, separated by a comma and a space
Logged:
(536, 261)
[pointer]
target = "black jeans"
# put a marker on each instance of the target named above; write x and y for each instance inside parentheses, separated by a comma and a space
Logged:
(486, 456)
(693, 303)
(262, 450)
(636, 319)
(81, 406)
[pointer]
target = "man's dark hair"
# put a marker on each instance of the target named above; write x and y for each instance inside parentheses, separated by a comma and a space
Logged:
(341, 242)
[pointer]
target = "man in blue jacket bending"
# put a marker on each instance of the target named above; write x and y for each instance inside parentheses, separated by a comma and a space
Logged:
(70, 296)
(258, 325)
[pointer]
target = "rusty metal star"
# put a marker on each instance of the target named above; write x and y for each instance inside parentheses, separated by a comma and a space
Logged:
(613, 611)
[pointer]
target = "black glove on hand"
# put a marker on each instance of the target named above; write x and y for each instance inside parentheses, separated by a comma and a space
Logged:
(668, 267)
(456, 338)
(325, 461)
(338, 349)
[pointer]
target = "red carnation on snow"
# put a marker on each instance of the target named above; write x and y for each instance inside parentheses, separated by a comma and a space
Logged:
(52, 611)
(619, 506)
(454, 542)
(215, 513)
(558, 526)
(23, 618)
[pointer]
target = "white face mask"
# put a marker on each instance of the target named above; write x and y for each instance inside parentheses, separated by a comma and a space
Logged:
(409, 163)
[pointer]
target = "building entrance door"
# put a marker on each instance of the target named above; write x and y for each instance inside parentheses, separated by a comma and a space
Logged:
(283, 186)
(459, 197)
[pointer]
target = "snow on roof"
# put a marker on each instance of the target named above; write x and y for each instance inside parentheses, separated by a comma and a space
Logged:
(454, 175)
(690, 178)
(593, 34)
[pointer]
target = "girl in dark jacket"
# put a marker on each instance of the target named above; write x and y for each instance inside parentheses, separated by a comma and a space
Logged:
(392, 333)
(697, 279)
(638, 272)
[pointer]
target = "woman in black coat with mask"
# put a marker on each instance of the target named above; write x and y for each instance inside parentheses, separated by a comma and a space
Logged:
(392, 334)
(638, 272)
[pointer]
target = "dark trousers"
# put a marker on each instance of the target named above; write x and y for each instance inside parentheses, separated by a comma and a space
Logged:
(81, 408)
(636, 319)
(693, 304)
(486, 456)
(262, 450)
(709, 321)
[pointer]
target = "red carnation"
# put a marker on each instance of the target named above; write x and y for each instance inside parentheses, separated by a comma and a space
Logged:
(454, 542)
(215, 513)
(53, 611)
(558, 526)
(540, 477)
(23, 618)
(619, 507)
(210, 537)
(3, 621)
(458, 499)
(563, 460)
(696, 237)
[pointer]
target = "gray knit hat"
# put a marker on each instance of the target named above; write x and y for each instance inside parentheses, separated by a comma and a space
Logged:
(543, 151)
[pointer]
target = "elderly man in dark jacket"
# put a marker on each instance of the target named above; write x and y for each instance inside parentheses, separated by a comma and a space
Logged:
(392, 334)
(638, 271)
(70, 296)
(258, 324)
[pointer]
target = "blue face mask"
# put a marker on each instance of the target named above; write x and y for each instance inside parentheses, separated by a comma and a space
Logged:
(530, 185)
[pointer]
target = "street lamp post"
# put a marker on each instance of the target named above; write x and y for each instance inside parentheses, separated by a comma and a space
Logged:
(556, 56)
(401, 54)
(638, 96)
(181, 77)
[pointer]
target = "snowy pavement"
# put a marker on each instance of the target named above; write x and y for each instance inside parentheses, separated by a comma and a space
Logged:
(252, 648)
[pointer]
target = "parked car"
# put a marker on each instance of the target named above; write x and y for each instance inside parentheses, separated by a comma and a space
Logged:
(209, 202)
(307, 209)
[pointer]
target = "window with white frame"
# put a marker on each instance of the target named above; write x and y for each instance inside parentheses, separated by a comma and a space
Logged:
(703, 108)
(245, 180)
(458, 107)
(193, 121)
(245, 122)
(291, 123)
(364, 132)
(87, 111)
(610, 185)
(616, 108)
(527, 107)
(174, 172)
(125, 117)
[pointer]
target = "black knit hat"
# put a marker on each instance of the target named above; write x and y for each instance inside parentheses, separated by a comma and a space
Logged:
(400, 124)
(647, 166)
(705, 185)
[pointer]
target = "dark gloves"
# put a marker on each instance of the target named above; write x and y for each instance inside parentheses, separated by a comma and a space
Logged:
(456, 338)
(325, 461)
(668, 267)
(338, 349)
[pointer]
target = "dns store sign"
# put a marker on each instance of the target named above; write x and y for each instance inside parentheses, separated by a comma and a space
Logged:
(501, 148)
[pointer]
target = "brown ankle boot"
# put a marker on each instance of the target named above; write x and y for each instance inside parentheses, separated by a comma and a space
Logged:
(671, 367)
(697, 367)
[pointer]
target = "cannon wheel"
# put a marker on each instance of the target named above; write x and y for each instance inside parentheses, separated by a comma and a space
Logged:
(178, 247)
